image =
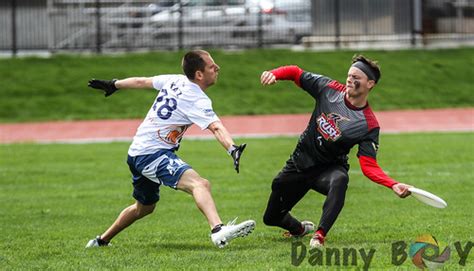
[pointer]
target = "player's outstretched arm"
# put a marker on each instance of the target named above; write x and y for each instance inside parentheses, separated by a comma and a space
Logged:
(111, 86)
(135, 82)
(292, 73)
(223, 136)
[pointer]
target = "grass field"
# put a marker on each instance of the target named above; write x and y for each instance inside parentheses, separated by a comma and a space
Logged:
(35, 89)
(55, 197)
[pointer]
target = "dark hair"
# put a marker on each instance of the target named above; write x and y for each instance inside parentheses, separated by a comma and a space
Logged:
(192, 62)
(373, 65)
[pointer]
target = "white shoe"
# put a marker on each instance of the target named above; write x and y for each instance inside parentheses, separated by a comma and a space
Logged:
(231, 231)
(317, 241)
(96, 243)
(308, 227)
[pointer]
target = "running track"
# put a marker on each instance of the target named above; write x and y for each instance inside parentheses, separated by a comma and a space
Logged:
(409, 121)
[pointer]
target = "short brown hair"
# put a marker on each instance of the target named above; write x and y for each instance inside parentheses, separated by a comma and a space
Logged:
(374, 66)
(192, 62)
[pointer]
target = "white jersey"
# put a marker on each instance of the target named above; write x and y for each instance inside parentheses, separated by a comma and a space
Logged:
(179, 104)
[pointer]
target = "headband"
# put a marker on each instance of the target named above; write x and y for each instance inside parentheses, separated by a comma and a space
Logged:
(367, 70)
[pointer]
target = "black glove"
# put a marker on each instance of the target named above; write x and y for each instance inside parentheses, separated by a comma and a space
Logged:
(236, 152)
(108, 86)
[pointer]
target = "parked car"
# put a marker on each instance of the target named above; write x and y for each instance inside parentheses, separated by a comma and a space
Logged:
(296, 22)
(210, 12)
(231, 20)
(161, 6)
(235, 20)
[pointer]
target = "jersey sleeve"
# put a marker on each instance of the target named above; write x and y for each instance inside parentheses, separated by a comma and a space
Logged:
(369, 145)
(292, 72)
(367, 158)
(201, 113)
(160, 80)
(314, 83)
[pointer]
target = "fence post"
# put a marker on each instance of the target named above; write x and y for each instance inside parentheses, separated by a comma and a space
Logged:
(412, 23)
(337, 24)
(98, 31)
(260, 28)
(180, 26)
(50, 25)
(416, 21)
(14, 41)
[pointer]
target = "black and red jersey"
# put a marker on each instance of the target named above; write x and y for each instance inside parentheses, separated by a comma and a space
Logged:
(335, 126)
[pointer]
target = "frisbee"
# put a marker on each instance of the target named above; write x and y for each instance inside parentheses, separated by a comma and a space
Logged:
(427, 197)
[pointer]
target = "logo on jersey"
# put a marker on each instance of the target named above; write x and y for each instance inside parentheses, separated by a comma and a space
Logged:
(375, 146)
(208, 112)
(328, 125)
(174, 135)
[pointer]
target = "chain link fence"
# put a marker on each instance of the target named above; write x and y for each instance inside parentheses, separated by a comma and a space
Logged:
(98, 25)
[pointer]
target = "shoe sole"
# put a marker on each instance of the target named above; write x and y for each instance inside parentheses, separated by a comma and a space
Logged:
(244, 229)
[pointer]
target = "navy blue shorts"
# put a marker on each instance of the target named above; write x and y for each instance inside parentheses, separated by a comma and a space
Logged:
(151, 170)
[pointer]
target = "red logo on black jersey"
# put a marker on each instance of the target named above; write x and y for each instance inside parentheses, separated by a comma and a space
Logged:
(327, 126)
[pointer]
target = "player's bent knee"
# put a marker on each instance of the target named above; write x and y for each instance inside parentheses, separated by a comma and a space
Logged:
(191, 181)
(267, 220)
(205, 183)
(339, 181)
(270, 219)
(200, 183)
(339, 186)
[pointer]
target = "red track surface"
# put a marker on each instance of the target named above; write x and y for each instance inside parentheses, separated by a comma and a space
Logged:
(445, 120)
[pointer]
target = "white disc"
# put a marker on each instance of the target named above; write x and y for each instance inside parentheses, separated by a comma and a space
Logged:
(427, 197)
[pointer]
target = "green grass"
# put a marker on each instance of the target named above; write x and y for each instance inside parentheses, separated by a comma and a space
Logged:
(55, 197)
(35, 89)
